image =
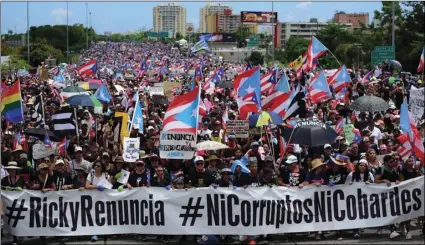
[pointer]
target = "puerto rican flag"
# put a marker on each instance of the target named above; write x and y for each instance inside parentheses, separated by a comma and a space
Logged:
(88, 69)
(225, 117)
(268, 81)
(367, 77)
(202, 113)
(408, 126)
(405, 149)
(279, 89)
(182, 113)
(319, 88)
(357, 136)
(47, 143)
(282, 147)
(62, 146)
(247, 92)
(421, 61)
(314, 51)
(340, 79)
(209, 85)
(339, 127)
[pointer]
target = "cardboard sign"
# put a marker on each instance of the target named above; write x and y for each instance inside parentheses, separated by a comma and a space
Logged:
(239, 127)
(168, 89)
(416, 103)
(131, 149)
(40, 151)
(175, 145)
(348, 133)
(156, 90)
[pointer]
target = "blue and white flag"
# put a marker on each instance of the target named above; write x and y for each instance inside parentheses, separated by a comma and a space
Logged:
(59, 78)
(137, 119)
(205, 37)
(102, 94)
(201, 45)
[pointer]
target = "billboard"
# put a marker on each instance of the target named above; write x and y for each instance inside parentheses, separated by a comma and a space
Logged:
(258, 17)
(218, 37)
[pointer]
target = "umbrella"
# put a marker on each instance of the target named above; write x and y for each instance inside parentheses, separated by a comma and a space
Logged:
(73, 90)
(85, 100)
(369, 103)
(225, 84)
(310, 132)
(40, 133)
(88, 85)
(395, 63)
(210, 146)
(161, 102)
(264, 119)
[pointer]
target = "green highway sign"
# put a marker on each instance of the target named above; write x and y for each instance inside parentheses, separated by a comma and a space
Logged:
(382, 53)
(253, 41)
(383, 48)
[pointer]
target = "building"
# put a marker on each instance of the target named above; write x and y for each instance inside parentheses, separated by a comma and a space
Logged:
(212, 9)
(234, 54)
(227, 24)
(169, 17)
(355, 19)
(300, 29)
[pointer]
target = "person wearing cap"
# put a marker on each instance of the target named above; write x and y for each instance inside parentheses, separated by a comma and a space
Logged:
(43, 181)
(353, 153)
(255, 152)
(205, 130)
(290, 174)
(77, 161)
(199, 176)
(63, 180)
(116, 173)
(327, 152)
(226, 178)
(26, 169)
(388, 174)
(229, 153)
(79, 181)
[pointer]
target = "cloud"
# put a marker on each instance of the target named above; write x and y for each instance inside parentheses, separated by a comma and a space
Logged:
(59, 15)
(303, 5)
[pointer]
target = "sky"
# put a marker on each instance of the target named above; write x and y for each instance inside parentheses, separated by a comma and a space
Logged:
(123, 17)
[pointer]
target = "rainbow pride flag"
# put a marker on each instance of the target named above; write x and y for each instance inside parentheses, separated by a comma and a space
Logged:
(11, 104)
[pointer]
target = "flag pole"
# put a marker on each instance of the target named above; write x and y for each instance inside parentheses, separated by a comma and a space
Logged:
(76, 125)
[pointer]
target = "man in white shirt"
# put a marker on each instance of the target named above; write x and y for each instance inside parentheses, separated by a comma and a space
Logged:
(374, 131)
(205, 131)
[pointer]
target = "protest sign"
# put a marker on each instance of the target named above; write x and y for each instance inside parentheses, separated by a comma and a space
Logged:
(416, 103)
(348, 133)
(156, 90)
(168, 89)
(175, 145)
(226, 211)
(239, 127)
(40, 151)
(131, 149)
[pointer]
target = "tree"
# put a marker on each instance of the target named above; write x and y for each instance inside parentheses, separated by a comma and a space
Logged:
(15, 63)
(41, 50)
(256, 58)
(179, 36)
(294, 47)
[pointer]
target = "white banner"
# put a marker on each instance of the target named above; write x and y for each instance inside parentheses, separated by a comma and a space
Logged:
(157, 89)
(251, 211)
(40, 151)
(131, 149)
(174, 145)
(416, 103)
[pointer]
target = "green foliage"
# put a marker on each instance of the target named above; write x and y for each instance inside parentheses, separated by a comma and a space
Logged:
(14, 63)
(294, 47)
(41, 50)
(256, 58)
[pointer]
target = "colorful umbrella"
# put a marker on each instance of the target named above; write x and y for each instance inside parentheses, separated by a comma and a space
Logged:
(264, 119)
(89, 86)
(72, 91)
(85, 100)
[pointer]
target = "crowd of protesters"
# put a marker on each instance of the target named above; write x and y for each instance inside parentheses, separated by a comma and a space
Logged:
(90, 157)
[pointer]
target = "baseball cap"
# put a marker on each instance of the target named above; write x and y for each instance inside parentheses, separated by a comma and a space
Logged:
(255, 143)
(105, 154)
(59, 161)
(23, 156)
(43, 165)
(150, 128)
(363, 161)
(198, 158)
(291, 159)
(78, 148)
(327, 146)
(232, 136)
(269, 158)
(366, 139)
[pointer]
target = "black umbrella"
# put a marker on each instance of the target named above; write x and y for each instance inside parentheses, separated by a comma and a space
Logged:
(161, 102)
(225, 84)
(40, 133)
(310, 132)
(369, 103)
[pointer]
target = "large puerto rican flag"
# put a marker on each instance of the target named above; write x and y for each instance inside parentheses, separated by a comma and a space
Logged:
(88, 69)
(314, 51)
(182, 114)
(319, 88)
(340, 79)
(248, 92)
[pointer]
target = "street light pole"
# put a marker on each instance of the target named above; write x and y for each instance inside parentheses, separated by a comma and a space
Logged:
(67, 34)
(393, 26)
(87, 27)
(91, 37)
(273, 32)
(28, 33)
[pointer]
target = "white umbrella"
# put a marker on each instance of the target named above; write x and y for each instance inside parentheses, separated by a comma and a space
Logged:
(210, 146)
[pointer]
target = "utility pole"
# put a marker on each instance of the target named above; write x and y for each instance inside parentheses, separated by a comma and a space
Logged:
(273, 33)
(87, 27)
(91, 36)
(67, 34)
(28, 32)
(393, 25)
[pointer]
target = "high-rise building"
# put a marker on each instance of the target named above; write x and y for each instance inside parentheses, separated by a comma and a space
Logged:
(169, 17)
(227, 23)
(300, 29)
(212, 9)
(355, 19)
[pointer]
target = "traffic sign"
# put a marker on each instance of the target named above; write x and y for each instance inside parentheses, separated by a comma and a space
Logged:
(252, 41)
(383, 48)
(382, 53)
